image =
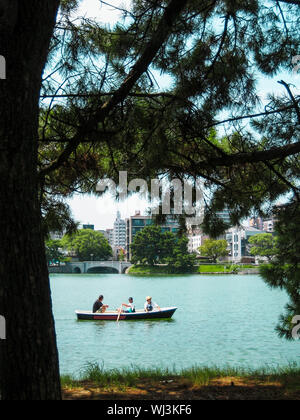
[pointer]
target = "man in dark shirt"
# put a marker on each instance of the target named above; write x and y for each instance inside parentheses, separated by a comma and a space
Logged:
(98, 305)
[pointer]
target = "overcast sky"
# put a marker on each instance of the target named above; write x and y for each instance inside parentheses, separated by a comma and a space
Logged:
(102, 211)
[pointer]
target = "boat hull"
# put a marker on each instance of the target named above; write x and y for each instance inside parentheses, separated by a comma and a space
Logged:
(165, 313)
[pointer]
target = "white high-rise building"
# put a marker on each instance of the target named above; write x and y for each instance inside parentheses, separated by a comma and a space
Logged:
(119, 232)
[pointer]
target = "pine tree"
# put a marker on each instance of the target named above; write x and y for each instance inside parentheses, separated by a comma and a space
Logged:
(284, 271)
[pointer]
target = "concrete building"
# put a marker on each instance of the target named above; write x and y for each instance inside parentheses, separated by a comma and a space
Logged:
(110, 236)
(119, 232)
(268, 225)
(238, 242)
(195, 237)
(195, 241)
(257, 222)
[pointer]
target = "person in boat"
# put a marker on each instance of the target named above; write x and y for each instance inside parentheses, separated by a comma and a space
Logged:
(130, 306)
(150, 305)
(98, 305)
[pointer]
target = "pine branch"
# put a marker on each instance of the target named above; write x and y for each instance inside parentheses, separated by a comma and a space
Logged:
(104, 94)
(284, 180)
(295, 102)
(162, 33)
(252, 157)
(250, 116)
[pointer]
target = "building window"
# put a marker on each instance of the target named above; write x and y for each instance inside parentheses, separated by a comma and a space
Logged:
(138, 222)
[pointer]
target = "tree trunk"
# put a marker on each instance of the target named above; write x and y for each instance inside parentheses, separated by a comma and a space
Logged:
(28, 357)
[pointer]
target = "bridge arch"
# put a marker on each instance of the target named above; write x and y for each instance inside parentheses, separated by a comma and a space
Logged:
(124, 268)
(98, 267)
(102, 270)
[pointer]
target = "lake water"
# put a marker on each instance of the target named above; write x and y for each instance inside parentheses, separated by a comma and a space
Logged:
(220, 320)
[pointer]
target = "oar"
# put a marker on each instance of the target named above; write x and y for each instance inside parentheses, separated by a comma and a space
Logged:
(119, 313)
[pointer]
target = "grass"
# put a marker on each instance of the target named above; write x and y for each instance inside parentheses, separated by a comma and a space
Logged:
(223, 268)
(288, 376)
(115, 377)
(145, 270)
(216, 268)
(159, 270)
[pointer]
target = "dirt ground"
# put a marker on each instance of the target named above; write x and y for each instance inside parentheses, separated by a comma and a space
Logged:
(177, 389)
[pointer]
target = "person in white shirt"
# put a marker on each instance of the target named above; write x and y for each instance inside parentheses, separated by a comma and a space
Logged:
(130, 306)
(150, 305)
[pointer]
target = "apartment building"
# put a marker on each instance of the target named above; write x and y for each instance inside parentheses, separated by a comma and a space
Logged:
(238, 242)
(119, 232)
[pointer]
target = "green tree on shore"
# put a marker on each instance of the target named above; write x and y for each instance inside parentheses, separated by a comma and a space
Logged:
(263, 245)
(214, 249)
(180, 261)
(152, 246)
(53, 251)
(284, 270)
(88, 244)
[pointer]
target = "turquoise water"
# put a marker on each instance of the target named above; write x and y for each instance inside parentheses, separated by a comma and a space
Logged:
(220, 320)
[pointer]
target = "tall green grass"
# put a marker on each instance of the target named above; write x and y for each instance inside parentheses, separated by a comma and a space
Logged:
(129, 377)
(96, 374)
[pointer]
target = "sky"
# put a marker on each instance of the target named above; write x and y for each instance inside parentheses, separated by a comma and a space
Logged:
(101, 212)
(96, 9)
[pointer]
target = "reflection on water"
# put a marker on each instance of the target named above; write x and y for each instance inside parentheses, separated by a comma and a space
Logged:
(220, 320)
(100, 326)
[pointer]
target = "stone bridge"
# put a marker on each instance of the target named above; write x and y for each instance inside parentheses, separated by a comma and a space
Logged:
(98, 266)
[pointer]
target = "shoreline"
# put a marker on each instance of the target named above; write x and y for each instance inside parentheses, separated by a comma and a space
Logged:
(160, 270)
(137, 270)
(190, 384)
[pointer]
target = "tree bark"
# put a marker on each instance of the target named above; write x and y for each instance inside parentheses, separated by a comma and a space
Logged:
(28, 357)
